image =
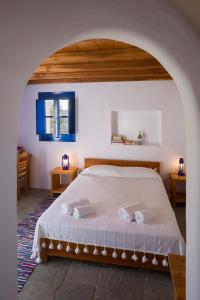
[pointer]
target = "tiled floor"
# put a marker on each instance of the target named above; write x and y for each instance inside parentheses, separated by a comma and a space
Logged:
(65, 279)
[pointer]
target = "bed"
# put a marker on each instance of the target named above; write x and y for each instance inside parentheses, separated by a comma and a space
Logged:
(103, 237)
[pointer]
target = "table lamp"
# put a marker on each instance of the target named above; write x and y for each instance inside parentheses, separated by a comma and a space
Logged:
(181, 167)
(65, 162)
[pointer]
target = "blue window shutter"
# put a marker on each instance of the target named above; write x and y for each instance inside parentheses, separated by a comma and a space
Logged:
(40, 116)
(72, 126)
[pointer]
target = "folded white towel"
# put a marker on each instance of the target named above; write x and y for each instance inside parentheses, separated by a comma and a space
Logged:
(143, 216)
(82, 211)
(69, 207)
(127, 213)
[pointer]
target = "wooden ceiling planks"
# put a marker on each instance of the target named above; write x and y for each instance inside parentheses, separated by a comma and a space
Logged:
(99, 60)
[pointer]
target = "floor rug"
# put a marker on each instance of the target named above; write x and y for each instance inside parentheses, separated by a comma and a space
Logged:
(25, 234)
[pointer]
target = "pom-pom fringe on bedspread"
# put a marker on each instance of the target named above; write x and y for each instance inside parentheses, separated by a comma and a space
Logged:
(50, 247)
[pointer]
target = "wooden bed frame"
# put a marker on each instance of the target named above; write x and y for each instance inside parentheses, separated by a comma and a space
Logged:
(128, 262)
(46, 252)
(122, 163)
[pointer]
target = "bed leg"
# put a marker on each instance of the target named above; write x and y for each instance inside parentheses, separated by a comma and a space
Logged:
(43, 252)
(43, 255)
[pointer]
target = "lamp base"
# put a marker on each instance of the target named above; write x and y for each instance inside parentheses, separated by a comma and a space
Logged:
(66, 168)
(181, 173)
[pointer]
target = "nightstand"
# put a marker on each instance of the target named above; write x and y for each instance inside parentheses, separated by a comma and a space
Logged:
(56, 186)
(177, 197)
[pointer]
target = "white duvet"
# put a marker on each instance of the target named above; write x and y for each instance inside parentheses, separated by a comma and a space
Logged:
(161, 235)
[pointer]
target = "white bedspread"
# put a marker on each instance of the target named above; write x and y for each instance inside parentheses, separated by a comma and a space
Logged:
(107, 194)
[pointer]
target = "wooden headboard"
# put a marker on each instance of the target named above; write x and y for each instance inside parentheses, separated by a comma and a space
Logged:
(122, 163)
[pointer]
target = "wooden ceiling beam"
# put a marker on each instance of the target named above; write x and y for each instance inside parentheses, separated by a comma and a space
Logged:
(101, 55)
(64, 67)
(95, 44)
(99, 60)
(107, 73)
(102, 51)
(103, 79)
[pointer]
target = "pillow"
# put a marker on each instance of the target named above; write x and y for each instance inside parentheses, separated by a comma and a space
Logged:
(101, 170)
(123, 172)
(137, 172)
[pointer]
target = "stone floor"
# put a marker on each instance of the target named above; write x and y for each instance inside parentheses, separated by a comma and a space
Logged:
(65, 279)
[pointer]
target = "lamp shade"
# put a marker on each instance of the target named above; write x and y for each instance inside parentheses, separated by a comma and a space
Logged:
(65, 162)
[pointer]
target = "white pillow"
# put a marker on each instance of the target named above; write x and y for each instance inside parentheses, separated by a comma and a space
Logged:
(101, 170)
(137, 172)
(123, 172)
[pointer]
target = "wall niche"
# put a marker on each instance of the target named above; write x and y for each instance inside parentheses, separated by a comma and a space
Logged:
(129, 123)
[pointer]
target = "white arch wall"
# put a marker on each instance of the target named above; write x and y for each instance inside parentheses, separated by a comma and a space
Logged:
(30, 31)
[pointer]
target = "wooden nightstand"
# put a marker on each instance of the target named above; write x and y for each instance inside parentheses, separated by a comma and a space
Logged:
(177, 196)
(177, 270)
(56, 173)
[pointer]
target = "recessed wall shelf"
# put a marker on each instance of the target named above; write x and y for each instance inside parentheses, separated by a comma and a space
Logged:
(143, 145)
(129, 123)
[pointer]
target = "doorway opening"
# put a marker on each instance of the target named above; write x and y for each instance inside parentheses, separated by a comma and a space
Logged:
(107, 76)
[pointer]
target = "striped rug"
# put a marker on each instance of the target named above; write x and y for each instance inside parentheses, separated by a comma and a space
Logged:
(25, 234)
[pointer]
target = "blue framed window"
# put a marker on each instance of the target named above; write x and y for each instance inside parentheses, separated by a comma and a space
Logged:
(55, 116)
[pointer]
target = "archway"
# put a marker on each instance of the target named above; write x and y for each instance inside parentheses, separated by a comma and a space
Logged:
(87, 113)
(163, 36)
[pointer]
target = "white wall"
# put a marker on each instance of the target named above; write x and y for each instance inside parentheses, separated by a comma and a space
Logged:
(95, 101)
(32, 30)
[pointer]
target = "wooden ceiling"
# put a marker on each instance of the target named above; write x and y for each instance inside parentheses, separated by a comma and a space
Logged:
(99, 60)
